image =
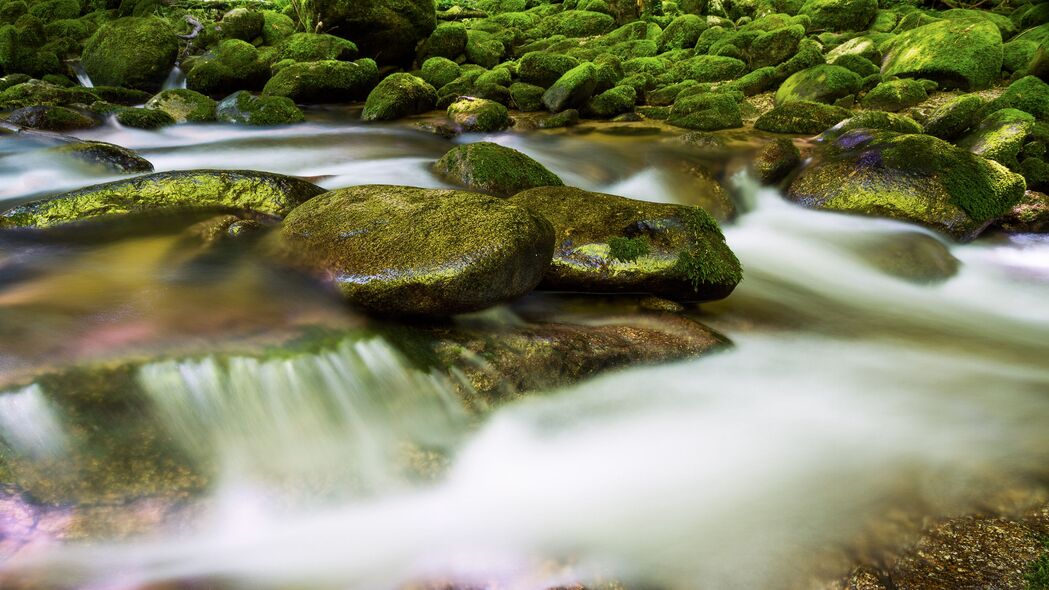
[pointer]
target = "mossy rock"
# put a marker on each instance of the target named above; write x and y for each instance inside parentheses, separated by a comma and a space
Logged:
(386, 30)
(316, 47)
(526, 97)
(276, 27)
(963, 54)
(397, 96)
(914, 256)
(775, 47)
(103, 156)
(579, 23)
(184, 105)
(682, 33)
(879, 120)
(494, 169)
(862, 46)
(37, 92)
(706, 112)
(862, 66)
(572, 89)
(756, 82)
(52, 10)
(801, 117)
(565, 118)
(954, 117)
(840, 15)
(500, 76)
(810, 54)
(439, 71)
(1000, 136)
(144, 118)
(233, 65)
(543, 68)
(132, 52)
(242, 23)
(708, 68)
(396, 250)
(166, 192)
(612, 102)
(1030, 215)
(51, 118)
(244, 108)
(895, 95)
(484, 49)
(479, 115)
(324, 81)
(610, 244)
(822, 83)
(114, 94)
(448, 40)
(1028, 94)
(775, 161)
(914, 178)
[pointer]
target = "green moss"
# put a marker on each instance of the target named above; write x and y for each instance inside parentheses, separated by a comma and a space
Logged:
(479, 115)
(578, 23)
(233, 65)
(51, 118)
(612, 102)
(484, 49)
(1000, 136)
(756, 82)
(953, 118)
(439, 71)
(706, 112)
(840, 15)
(801, 117)
(572, 89)
(448, 40)
(324, 81)
(526, 97)
(822, 83)
(682, 33)
(895, 95)
(708, 68)
(276, 27)
(875, 120)
(628, 249)
(52, 10)
(810, 54)
(316, 47)
(184, 105)
(244, 108)
(242, 23)
(492, 168)
(775, 47)
(133, 52)
(144, 118)
(1028, 94)
(399, 95)
(1037, 574)
(956, 53)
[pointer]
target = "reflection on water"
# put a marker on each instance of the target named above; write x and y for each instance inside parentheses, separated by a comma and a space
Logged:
(859, 385)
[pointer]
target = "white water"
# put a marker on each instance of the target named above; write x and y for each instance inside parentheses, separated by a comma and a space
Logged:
(176, 79)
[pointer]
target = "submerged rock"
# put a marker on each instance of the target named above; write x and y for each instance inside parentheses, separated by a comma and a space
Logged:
(915, 178)
(106, 156)
(398, 250)
(491, 168)
(776, 161)
(610, 244)
(913, 256)
(166, 192)
(1030, 215)
(51, 118)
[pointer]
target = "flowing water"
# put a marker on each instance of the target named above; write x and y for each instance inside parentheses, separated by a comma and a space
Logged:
(851, 392)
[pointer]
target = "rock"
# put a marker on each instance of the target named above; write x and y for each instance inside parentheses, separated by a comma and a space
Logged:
(242, 24)
(895, 95)
(581, 23)
(863, 46)
(105, 156)
(276, 27)
(410, 251)
(823, 83)
(775, 47)
(913, 256)
(494, 169)
(50, 118)
(526, 97)
(1028, 94)
(914, 178)
(963, 54)
(840, 15)
(166, 192)
(233, 65)
(305, 47)
(610, 244)
(706, 112)
(132, 52)
(612, 102)
(681, 33)
(953, 118)
(708, 68)
(399, 95)
(484, 49)
(144, 118)
(873, 120)
(543, 68)
(801, 117)
(324, 81)
(448, 40)
(776, 160)
(438, 71)
(184, 105)
(1030, 215)
(573, 89)
(1000, 136)
(386, 30)
(558, 120)
(244, 108)
(863, 67)
(479, 115)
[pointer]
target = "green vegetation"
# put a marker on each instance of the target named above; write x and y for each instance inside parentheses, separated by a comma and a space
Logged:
(1037, 574)
(628, 249)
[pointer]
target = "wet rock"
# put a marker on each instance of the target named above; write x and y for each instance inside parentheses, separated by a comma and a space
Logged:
(399, 95)
(494, 169)
(321, 82)
(895, 95)
(706, 111)
(776, 160)
(51, 118)
(526, 97)
(708, 68)
(401, 250)
(963, 54)
(1000, 136)
(387, 30)
(245, 108)
(105, 156)
(144, 118)
(565, 118)
(166, 192)
(612, 102)
(840, 15)
(915, 178)
(681, 33)
(912, 256)
(822, 83)
(1030, 215)
(873, 120)
(610, 244)
(306, 47)
(573, 89)
(953, 118)
(801, 117)
(233, 65)
(132, 52)
(479, 115)
(184, 105)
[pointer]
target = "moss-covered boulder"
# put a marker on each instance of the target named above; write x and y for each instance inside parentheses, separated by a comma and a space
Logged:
(439, 71)
(896, 95)
(276, 27)
(448, 40)
(707, 111)
(681, 33)
(386, 30)
(963, 54)
(879, 120)
(1028, 94)
(1000, 136)
(580, 23)
(822, 83)
(184, 105)
(143, 118)
(324, 81)
(543, 68)
(479, 115)
(398, 250)
(101, 156)
(233, 65)
(397, 96)
(954, 117)
(572, 89)
(316, 47)
(132, 52)
(244, 108)
(52, 10)
(840, 15)
(775, 161)
(242, 23)
(914, 178)
(166, 192)
(708, 68)
(610, 244)
(1030, 215)
(51, 118)
(801, 117)
(484, 48)
(775, 47)
(494, 169)
(526, 97)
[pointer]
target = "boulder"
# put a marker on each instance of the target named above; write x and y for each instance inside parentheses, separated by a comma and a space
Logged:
(572, 89)
(103, 156)
(244, 108)
(543, 68)
(954, 117)
(144, 118)
(184, 105)
(386, 30)
(708, 111)
(132, 52)
(399, 95)
(776, 160)
(895, 95)
(1028, 94)
(963, 54)
(840, 15)
(233, 65)
(324, 81)
(479, 115)
(801, 117)
(822, 83)
(494, 169)
(303, 47)
(1000, 136)
(51, 118)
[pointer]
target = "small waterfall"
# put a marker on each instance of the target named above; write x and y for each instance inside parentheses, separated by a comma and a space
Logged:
(29, 425)
(81, 75)
(176, 79)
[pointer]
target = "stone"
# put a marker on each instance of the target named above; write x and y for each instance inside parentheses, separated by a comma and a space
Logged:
(840, 15)
(776, 160)
(801, 117)
(822, 83)
(324, 81)
(572, 89)
(1000, 136)
(706, 111)
(494, 169)
(399, 95)
(479, 115)
(964, 54)
(184, 105)
(244, 108)
(386, 30)
(104, 156)
(132, 52)
(954, 117)
(895, 95)
(51, 118)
